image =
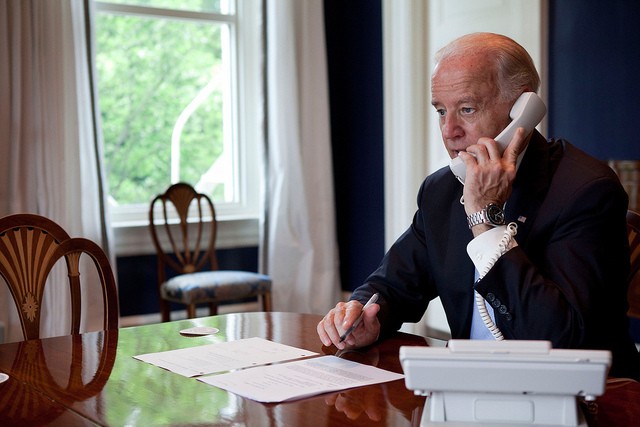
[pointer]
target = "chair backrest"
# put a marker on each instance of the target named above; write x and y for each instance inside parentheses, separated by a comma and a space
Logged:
(30, 246)
(186, 246)
(633, 228)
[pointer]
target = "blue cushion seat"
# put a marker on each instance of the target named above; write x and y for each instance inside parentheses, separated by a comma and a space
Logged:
(214, 286)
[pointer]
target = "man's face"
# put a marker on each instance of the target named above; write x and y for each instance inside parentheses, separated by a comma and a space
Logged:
(464, 92)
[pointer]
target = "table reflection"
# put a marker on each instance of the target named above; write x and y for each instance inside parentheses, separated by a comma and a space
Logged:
(65, 371)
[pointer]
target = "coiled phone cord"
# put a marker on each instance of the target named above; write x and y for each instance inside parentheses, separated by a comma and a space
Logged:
(503, 246)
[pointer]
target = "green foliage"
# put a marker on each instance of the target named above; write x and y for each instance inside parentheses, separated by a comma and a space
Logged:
(196, 5)
(149, 71)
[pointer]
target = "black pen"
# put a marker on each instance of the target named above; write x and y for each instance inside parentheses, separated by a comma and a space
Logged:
(372, 300)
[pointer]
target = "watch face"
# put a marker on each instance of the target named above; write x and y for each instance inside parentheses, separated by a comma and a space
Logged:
(495, 214)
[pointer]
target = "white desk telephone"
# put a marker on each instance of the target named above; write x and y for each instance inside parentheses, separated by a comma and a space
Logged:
(476, 383)
(527, 112)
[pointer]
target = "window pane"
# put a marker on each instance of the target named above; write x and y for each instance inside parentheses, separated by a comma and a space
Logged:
(164, 94)
(212, 6)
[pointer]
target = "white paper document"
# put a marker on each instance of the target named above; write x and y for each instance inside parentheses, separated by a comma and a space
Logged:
(224, 356)
(298, 379)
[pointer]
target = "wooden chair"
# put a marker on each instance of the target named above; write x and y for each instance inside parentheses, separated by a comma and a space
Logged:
(30, 246)
(633, 228)
(188, 249)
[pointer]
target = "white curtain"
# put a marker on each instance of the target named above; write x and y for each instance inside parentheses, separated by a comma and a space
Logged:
(302, 254)
(49, 149)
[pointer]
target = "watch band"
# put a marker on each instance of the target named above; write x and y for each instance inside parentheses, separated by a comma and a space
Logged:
(492, 214)
(477, 218)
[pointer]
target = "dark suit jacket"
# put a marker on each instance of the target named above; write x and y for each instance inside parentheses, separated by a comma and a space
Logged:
(566, 282)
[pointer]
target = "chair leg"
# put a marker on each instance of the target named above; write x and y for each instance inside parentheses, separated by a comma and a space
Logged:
(165, 310)
(213, 308)
(191, 311)
(266, 301)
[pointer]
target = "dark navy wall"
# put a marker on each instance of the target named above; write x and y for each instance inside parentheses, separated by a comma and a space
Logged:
(354, 57)
(594, 75)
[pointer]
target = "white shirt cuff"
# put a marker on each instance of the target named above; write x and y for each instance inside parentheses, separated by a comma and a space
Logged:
(484, 250)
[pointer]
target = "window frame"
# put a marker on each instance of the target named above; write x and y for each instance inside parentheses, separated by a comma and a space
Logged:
(238, 221)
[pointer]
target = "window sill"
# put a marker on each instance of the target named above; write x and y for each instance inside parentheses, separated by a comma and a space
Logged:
(133, 239)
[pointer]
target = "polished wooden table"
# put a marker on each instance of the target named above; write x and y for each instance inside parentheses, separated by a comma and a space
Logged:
(92, 378)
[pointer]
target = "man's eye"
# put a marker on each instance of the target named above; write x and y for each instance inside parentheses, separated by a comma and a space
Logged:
(440, 112)
(467, 110)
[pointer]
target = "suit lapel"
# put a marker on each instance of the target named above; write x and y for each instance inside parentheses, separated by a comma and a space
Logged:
(530, 187)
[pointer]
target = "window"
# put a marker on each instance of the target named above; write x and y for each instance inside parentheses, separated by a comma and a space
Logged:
(179, 85)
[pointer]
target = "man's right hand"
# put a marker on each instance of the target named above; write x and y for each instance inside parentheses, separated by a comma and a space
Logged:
(490, 173)
(341, 317)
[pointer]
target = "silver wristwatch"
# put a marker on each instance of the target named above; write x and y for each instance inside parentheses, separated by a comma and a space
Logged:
(491, 214)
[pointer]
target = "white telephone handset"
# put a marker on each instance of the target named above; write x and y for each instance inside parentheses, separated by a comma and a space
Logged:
(527, 112)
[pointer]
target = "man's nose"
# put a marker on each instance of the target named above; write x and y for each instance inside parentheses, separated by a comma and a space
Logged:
(451, 127)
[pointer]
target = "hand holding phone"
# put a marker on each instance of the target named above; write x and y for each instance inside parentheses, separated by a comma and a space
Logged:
(527, 112)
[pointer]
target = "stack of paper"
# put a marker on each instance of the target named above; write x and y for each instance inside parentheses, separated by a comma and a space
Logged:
(273, 383)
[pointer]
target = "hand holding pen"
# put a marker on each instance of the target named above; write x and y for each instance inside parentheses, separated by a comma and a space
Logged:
(330, 328)
(371, 301)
